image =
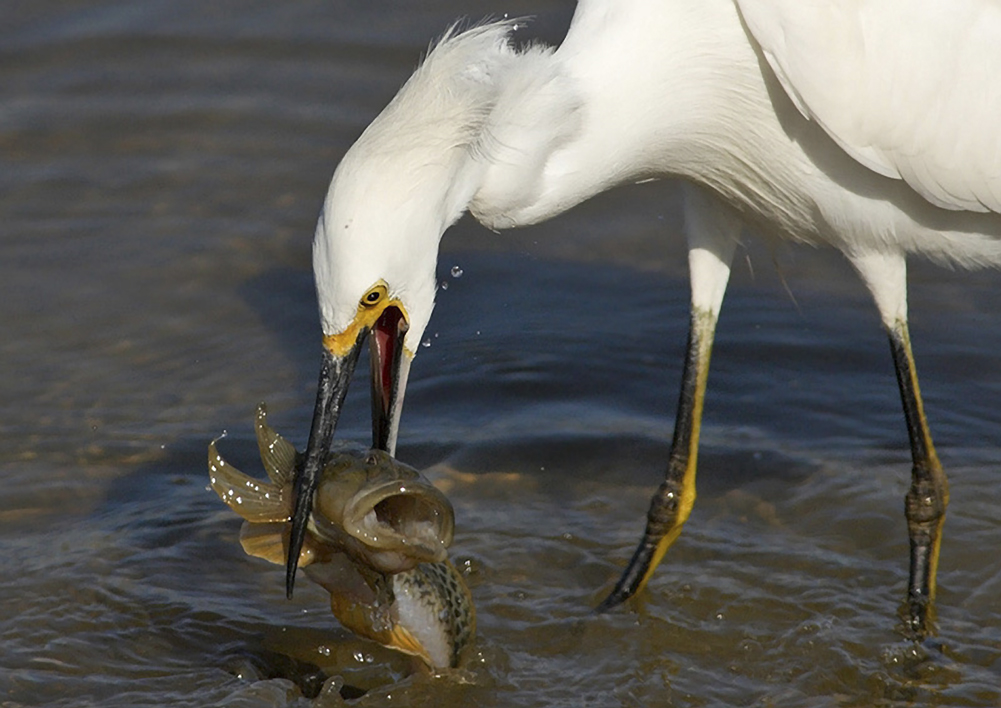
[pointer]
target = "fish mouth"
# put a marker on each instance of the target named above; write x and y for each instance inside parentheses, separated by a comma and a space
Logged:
(406, 516)
(392, 526)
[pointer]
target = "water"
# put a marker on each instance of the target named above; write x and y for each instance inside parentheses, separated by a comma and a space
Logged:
(161, 170)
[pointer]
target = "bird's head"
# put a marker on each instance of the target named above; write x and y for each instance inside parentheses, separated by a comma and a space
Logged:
(374, 258)
(409, 176)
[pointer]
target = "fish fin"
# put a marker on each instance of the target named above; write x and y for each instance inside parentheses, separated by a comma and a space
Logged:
(264, 541)
(401, 639)
(270, 542)
(254, 500)
(372, 621)
(279, 456)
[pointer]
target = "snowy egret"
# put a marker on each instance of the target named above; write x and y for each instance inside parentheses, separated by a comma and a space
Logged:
(869, 126)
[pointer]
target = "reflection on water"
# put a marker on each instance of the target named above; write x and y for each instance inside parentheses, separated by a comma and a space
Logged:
(161, 171)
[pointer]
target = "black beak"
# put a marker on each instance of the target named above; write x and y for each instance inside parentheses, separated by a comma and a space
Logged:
(335, 375)
(390, 368)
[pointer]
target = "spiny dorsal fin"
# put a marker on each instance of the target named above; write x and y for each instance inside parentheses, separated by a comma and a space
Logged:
(253, 499)
(278, 455)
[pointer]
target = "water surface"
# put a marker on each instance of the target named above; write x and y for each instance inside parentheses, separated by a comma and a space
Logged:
(161, 168)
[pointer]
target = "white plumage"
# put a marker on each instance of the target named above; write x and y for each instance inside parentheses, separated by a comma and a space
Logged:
(866, 91)
(903, 87)
(867, 125)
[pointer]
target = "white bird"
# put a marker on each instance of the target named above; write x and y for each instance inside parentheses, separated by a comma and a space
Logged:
(867, 125)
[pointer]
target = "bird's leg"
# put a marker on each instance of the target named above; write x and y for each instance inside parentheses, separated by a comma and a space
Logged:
(928, 496)
(885, 274)
(713, 230)
(673, 500)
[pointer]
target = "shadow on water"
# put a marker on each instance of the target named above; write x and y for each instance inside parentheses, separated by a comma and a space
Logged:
(284, 300)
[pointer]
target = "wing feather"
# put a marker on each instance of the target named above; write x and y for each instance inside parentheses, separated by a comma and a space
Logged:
(908, 88)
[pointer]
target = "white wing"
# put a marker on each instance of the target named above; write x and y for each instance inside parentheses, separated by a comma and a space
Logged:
(909, 88)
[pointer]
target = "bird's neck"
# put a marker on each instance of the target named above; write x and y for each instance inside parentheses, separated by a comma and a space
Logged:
(637, 90)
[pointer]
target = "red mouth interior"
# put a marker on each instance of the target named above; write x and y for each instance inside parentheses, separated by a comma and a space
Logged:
(386, 335)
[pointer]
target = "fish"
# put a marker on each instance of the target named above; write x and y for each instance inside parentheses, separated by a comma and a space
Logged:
(377, 540)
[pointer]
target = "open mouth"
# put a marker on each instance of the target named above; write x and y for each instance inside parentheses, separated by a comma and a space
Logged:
(411, 518)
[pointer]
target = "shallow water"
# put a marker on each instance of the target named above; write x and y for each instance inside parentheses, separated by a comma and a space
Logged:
(161, 170)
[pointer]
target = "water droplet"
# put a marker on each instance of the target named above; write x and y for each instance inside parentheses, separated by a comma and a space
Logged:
(359, 657)
(426, 343)
(456, 271)
(323, 650)
(444, 285)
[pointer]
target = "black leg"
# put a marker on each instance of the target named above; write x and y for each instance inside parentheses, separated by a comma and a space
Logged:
(928, 497)
(673, 500)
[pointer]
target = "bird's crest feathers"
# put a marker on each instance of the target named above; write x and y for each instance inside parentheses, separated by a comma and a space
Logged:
(447, 100)
(466, 121)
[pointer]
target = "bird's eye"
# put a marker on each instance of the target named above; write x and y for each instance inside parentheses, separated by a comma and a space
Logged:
(373, 296)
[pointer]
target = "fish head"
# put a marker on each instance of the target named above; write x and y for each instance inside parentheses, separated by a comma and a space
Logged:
(369, 505)
(381, 511)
